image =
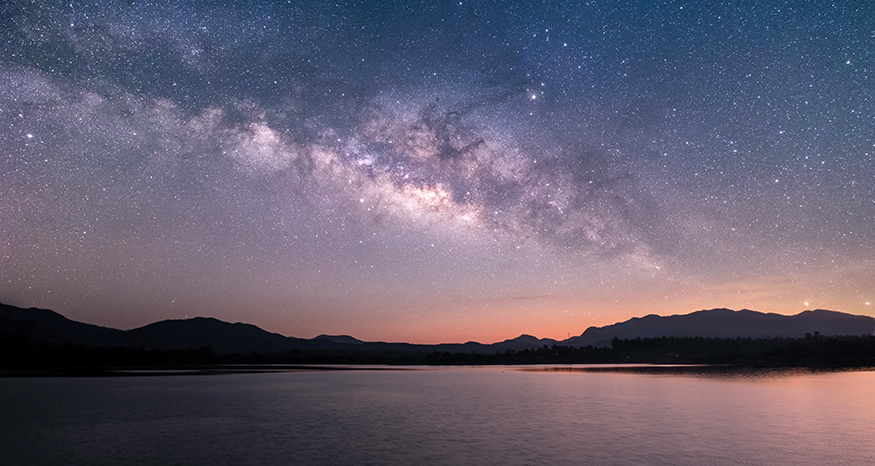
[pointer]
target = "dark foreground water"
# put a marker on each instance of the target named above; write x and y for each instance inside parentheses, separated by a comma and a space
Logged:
(454, 416)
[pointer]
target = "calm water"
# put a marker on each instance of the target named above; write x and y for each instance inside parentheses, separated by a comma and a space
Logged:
(446, 416)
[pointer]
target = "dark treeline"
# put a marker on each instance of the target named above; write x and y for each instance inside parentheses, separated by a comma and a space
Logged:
(812, 350)
(23, 354)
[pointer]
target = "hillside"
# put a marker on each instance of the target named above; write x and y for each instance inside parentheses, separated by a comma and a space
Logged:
(726, 323)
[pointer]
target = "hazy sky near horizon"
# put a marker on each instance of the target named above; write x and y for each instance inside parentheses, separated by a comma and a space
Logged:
(435, 171)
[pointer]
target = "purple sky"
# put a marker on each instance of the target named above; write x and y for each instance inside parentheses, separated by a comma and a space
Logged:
(435, 171)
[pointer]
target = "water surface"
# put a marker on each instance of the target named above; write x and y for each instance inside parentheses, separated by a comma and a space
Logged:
(491, 415)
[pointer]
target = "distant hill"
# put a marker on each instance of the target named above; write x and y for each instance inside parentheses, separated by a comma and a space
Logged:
(726, 323)
(340, 339)
(522, 342)
(48, 327)
(222, 336)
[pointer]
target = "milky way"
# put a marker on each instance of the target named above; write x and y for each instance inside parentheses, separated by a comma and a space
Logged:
(435, 171)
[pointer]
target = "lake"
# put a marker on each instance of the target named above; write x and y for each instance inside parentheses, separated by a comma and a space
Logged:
(456, 415)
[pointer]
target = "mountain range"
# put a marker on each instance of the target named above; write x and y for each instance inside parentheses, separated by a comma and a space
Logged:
(47, 326)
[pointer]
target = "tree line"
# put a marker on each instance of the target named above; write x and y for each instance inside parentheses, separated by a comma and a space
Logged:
(23, 354)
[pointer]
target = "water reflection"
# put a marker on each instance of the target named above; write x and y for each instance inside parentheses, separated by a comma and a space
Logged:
(703, 370)
(502, 415)
(677, 370)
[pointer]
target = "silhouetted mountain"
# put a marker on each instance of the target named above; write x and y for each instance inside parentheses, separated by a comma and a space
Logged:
(726, 323)
(340, 339)
(42, 325)
(46, 325)
(223, 337)
(522, 342)
(32, 330)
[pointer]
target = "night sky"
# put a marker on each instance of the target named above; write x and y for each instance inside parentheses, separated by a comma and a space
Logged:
(436, 171)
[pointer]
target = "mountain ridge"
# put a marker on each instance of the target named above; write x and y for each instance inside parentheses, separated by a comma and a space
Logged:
(225, 337)
(727, 323)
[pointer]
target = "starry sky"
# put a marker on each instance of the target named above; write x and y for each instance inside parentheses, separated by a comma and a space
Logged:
(437, 171)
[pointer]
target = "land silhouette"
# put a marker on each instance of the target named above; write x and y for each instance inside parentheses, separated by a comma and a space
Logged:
(40, 339)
